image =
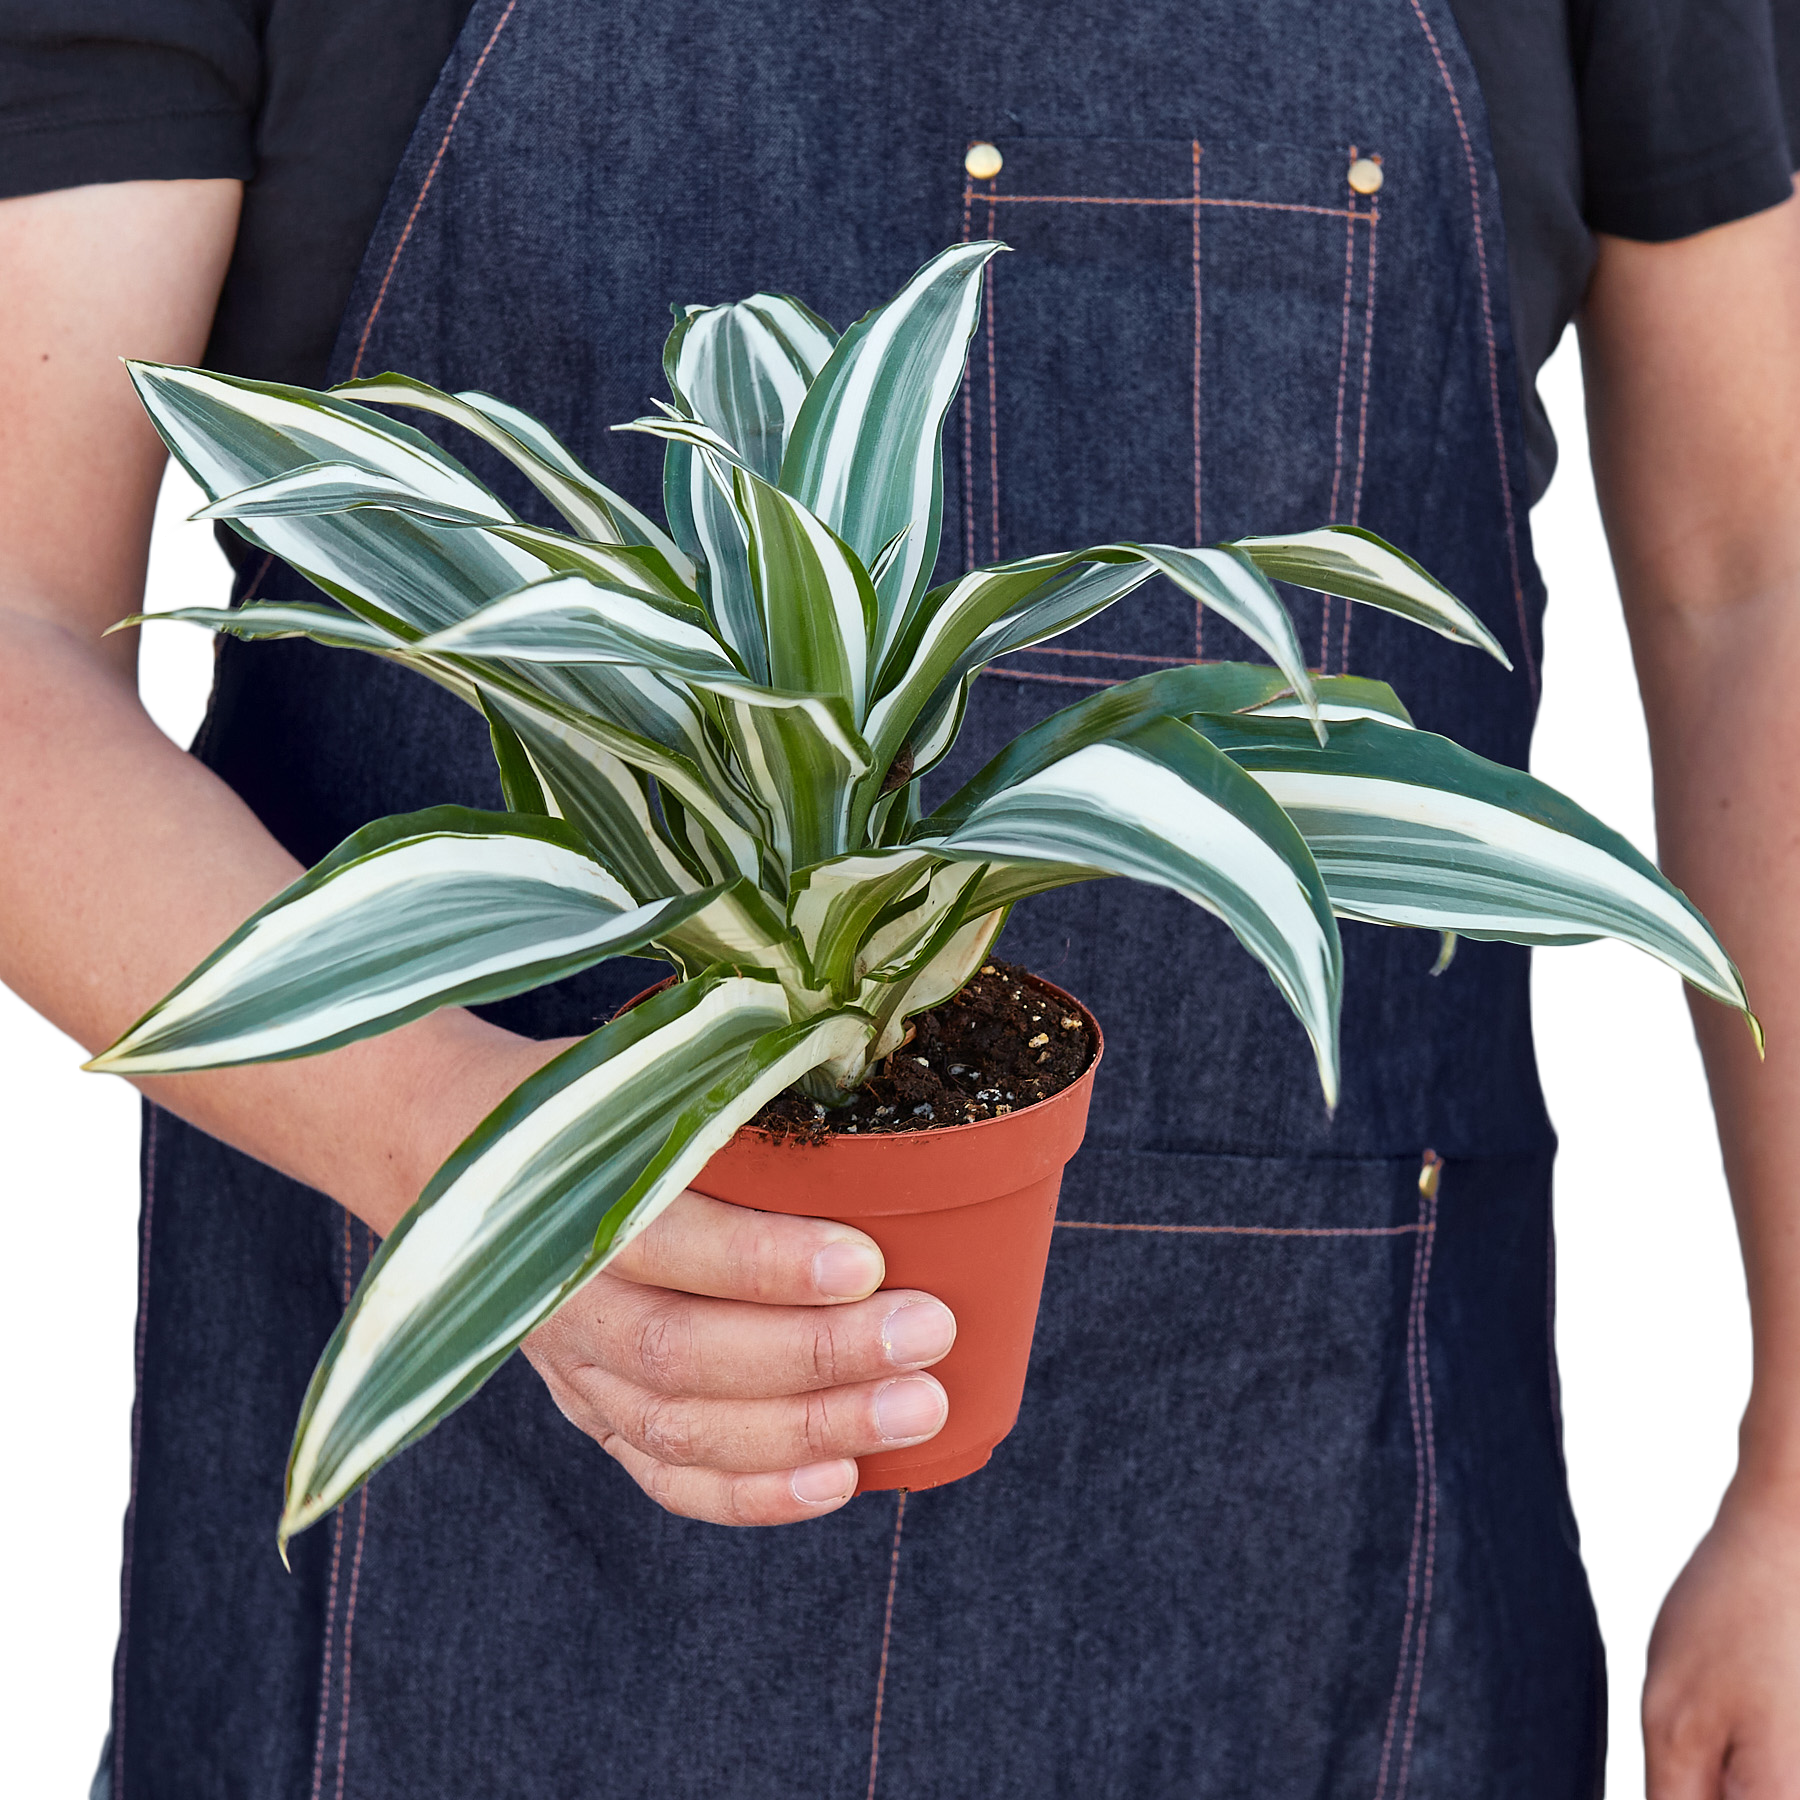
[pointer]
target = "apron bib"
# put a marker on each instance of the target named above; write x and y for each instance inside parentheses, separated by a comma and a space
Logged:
(1284, 1514)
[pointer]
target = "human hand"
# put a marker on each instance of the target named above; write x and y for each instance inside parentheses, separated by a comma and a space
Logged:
(1722, 1698)
(735, 1362)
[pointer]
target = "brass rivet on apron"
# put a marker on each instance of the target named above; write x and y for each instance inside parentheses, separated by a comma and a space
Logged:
(983, 161)
(1365, 175)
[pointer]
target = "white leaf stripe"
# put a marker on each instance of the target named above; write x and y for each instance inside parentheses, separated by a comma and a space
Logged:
(815, 598)
(327, 487)
(278, 619)
(572, 618)
(420, 922)
(553, 1185)
(1234, 588)
(1396, 853)
(592, 508)
(902, 364)
(745, 369)
(1138, 809)
(1355, 564)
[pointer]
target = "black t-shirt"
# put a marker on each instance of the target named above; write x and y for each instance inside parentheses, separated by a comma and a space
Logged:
(1647, 119)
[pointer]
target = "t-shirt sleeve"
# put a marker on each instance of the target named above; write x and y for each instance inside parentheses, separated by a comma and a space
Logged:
(126, 90)
(1682, 113)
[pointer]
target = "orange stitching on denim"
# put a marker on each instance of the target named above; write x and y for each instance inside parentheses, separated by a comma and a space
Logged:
(1293, 206)
(968, 422)
(1362, 418)
(1429, 1177)
(1064, 680)
(1199, 604)
(425, 186)
(1493, 349)
(1111, 656)
(1337, 430)
(362, 1531)
(1275, 1231)
(331, 1592)
(1418, 1371)
(137, 1445)
(887, 1634)
(993, 413)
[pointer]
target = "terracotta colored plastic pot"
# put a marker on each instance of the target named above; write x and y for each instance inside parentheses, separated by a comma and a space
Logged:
(964, 1213)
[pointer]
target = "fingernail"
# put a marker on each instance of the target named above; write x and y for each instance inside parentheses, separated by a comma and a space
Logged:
(919, 1332)
(908, 1409)
(819, 1483)
(847, 1270)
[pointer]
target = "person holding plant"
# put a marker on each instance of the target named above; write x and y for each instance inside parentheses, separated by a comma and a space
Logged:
(1284, 1512)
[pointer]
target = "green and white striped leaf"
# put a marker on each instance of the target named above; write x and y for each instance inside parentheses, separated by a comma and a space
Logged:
(956, 629)
(814, 597)
(598, 780)
(440, 908)
(333, 487)
(1158, 804)
(1355, 564)
(701, 502)
(1410, 829)
(962, 943)
(744, 370)
(551, 1186)
(231, 434)
(866, 453)
(803, 758)
(1341, 698)
(1182, 692)
(589, 505)
(1232, 586)
(575, 619)
(835, 905)
(636, 568)
(279, 619)
(742, 926)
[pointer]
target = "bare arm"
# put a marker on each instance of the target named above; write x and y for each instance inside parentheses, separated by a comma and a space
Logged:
(1692, 357)
(732, 1362)
(126, 860)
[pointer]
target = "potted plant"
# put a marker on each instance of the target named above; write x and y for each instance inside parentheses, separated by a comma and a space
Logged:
(711, 741)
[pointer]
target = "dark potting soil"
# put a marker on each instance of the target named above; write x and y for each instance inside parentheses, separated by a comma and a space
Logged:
(1001, 1044)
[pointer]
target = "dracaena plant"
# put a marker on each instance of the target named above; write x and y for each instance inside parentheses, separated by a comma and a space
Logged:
(711, 739)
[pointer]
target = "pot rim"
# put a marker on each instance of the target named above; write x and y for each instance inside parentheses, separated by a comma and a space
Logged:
(934, 1132)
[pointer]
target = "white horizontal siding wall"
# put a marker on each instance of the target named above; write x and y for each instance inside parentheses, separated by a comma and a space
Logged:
(68, 1191)
(1653, 1332)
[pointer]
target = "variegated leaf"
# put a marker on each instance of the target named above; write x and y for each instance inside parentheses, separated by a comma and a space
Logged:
(1158, 804)
(866, 454)
(589, 505)
(607, 798)
(957, 628)
(835, 905)
(1357, 565)
(744, 370)
(280, 619)
(230, 434)
(1410, 829)
(1341, 698)
(439, 908)
(814, 597)
(551, 1186)
(334, 487)
(803, 758)
(575, 619)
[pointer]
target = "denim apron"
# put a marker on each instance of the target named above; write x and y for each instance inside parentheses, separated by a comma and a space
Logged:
(1284, 1515)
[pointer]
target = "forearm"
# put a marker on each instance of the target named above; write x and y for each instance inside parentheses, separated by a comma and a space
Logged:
(1692, 357)
(127, 862)
(1720, 692)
